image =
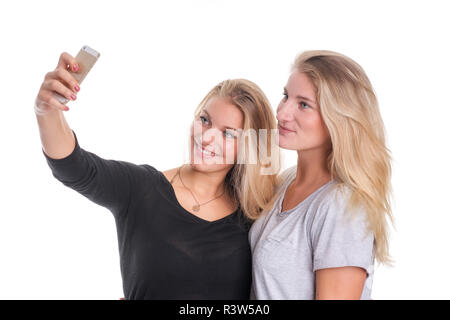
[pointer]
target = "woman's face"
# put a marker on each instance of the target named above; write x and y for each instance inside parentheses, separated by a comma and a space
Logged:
(300, 124)
(214, 136)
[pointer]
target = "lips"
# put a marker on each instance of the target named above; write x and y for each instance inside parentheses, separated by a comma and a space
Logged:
(206, 153)
(284, 130)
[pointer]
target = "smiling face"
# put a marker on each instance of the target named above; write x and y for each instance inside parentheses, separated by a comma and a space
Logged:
(214, 136)
(300, 123)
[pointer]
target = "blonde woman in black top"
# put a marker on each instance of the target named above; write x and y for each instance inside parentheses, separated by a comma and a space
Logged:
(183, 233)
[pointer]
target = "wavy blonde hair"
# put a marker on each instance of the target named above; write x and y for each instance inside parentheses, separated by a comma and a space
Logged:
(359, 158)
(245, 183)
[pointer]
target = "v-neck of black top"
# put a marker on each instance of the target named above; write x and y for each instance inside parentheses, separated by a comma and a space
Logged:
(193, 216)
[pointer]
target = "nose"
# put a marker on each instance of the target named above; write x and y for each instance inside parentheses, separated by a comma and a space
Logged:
(208, 136)
(202, 135)
(285, 111)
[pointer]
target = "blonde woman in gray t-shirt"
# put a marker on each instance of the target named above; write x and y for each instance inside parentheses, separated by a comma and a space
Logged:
(328, 222)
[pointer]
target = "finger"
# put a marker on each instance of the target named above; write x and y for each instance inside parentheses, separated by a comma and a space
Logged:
(65, 77)
(49, 99)
(54, 85)
(67, 62)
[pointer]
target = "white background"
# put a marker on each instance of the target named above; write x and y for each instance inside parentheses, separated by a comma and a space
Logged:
(157, 62)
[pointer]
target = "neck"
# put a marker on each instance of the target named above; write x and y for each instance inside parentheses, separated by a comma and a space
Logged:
(312, 167)
(204, 184)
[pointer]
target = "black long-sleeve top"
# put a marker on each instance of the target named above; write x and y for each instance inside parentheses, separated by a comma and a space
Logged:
(165, 251)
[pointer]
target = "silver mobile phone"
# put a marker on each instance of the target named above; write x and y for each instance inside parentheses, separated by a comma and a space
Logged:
(86, 58)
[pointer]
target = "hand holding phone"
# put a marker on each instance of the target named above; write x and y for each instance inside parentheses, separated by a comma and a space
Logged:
(86, 58)
(62, 84)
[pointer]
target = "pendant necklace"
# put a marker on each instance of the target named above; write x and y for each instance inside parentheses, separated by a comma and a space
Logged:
(197, 205)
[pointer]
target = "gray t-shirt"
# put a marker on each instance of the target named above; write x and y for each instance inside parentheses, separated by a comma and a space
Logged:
(288, 247)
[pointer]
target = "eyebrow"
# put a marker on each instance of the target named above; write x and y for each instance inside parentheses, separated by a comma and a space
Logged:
(209, 116)
(301, 97)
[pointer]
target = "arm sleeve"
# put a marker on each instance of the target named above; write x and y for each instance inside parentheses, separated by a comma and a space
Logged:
(339, 239)
(108, 183)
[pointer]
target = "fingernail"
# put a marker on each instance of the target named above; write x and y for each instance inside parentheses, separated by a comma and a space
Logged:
(75, 67)
(77, 88)
(66, 108)
(73, 97)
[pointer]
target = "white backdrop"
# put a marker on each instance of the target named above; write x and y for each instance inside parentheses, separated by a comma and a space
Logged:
(157, 62)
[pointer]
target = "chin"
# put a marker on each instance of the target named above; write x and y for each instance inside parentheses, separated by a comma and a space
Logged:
(208, 165)
(205, 167)
(287, 144)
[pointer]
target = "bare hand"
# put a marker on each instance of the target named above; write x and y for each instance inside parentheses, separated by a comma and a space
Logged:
(58, 81)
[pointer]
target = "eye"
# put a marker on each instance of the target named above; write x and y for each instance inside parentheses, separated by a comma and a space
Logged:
(304, 105)
(285, 96)
(228, 134)
(204, 120)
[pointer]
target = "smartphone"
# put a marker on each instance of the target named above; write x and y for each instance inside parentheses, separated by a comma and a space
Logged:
(86, 58)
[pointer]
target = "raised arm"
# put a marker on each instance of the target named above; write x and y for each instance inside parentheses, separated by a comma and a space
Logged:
(56, 136)
(109, 183)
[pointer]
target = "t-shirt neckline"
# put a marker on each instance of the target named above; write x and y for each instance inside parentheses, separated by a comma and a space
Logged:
(301, 203)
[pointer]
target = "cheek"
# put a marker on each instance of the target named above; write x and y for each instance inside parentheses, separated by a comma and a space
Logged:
(284, 112)
(230, 148)
(196, 129)
(319, 127)
(308, 123)
(314, 127)
(195, 134)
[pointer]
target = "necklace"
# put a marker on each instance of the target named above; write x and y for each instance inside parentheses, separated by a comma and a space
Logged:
(195, 207)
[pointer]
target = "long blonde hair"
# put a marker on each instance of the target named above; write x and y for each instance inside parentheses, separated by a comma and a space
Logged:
(359, 158)
(244, 182)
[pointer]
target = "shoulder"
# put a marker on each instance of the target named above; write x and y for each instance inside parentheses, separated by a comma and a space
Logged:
(332, 211)
(170, 174)
(340, 237)
(334, 196)
(140, 170)
(143, 175)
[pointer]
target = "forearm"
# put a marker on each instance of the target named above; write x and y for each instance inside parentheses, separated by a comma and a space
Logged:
(56, 136)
